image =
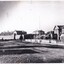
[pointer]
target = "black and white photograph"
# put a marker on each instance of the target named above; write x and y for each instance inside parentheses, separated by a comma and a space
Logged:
(32, 31)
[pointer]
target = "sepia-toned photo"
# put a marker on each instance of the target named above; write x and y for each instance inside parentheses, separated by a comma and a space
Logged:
(32, 31)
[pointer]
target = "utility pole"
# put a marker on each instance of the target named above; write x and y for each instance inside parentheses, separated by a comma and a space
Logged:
(39, 29)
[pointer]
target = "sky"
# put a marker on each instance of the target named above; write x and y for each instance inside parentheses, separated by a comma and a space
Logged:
(31, 15)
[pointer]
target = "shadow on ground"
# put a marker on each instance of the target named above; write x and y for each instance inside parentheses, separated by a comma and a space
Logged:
(30, 58)
(24, 51)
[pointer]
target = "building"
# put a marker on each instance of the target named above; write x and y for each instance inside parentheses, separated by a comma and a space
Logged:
(38, 33)
(35, 35)
(29, 36)
(19, 33)
(49, 35)
(11, 35)
(58, 30)
(41, 32)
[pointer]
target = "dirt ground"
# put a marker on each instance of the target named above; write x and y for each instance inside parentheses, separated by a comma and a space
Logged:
(31, 55)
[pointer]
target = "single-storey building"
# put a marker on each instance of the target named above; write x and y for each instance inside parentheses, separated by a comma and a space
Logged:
(29, 36)
(38, 33)
(11, 35)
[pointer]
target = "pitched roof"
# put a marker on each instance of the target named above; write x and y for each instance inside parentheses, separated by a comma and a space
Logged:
(21, 32)
(59, 26)
(39, 31)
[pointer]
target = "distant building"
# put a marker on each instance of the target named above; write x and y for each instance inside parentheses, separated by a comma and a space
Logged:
(11, 35)
(29, 36)
(58, 29)
(19, 33)
(38, 33)
(49, 35)
(6, 35)
(35, 35)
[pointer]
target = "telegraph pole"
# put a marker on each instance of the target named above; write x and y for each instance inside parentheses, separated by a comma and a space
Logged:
(39, 29)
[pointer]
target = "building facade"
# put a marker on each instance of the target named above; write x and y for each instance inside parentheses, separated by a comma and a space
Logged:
(11, 35)
(38, 33)
(58, 29)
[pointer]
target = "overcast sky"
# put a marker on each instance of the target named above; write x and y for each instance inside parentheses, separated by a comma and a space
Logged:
(31, 15)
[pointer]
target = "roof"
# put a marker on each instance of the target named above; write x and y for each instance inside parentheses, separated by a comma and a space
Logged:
(21, 32)
(59, 26)
(39, 31)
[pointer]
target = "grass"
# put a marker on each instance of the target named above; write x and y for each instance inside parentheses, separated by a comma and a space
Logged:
(46, 55)
(31, 55)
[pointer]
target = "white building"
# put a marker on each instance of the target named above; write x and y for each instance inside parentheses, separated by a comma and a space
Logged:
(11, 35)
